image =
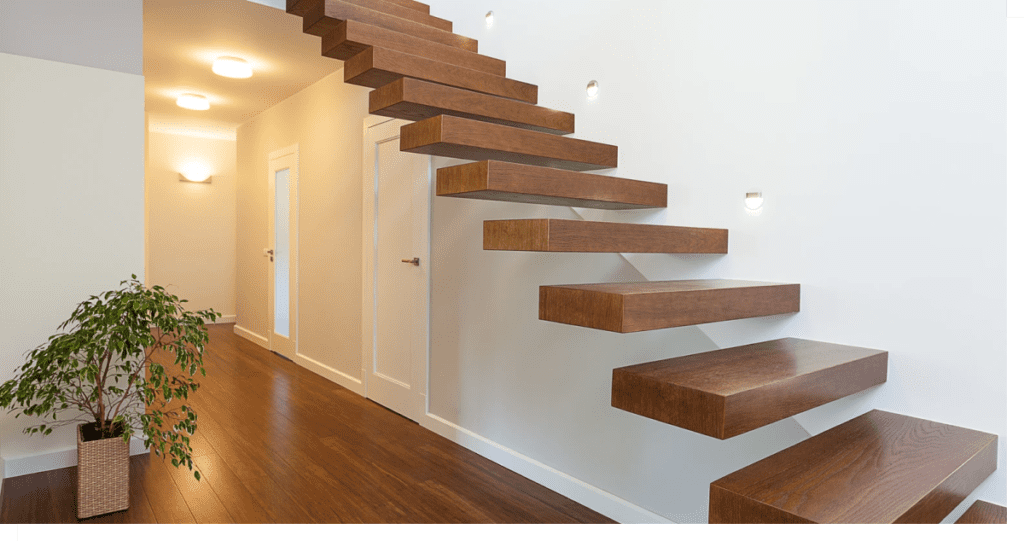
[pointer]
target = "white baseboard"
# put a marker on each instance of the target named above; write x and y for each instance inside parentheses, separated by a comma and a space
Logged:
(588, 495)
(252, 337)
(64, 458)
(341, 378)
(226, 319)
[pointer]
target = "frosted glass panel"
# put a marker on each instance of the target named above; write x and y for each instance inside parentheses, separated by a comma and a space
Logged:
(281, 236)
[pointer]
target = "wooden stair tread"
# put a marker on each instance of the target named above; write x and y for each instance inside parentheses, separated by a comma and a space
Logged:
(982, 512)
(301, 7)
(877, 468)
(644, 306)
(412, 4)
(548, 235)
(322, 16)
(518, 183)
(351, 37)
(414, 99)
(376, 67)
(466, 139)
(728, 392)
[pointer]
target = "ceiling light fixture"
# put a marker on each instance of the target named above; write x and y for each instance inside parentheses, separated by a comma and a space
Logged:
(230, 66)
(195, 102)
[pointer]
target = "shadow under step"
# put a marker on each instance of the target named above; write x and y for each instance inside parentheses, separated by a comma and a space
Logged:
(518, 183)
(983, 513)
(547, 235)
(376, 67)
(646, 306)
(465, 139)
(321, 16)
(414, 99)
(350, 38)
(301, 7)
(879, 468)
(732, 391)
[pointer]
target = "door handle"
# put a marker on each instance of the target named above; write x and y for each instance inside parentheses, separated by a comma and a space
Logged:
(269, 253)
(414, 261)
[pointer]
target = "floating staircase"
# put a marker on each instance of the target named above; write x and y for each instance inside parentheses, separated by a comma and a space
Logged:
(983, 513)
(880, 467)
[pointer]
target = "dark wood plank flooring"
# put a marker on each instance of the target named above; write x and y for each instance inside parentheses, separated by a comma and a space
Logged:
(280, 444)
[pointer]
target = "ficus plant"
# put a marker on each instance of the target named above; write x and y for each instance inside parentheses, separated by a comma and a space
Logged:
(103, 366)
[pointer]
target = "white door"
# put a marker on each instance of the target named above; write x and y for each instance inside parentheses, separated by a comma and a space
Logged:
(283, 252)
(396, 276)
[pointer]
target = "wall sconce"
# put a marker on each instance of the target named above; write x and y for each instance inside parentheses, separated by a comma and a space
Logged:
(754, 200)
(489, 19)
(196, 180)
(195, 172)
(593, 89)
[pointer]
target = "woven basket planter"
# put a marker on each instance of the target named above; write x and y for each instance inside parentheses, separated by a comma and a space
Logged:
(102, 476)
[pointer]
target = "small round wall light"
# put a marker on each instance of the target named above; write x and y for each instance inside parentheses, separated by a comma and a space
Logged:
(593, 89)
(754, 200)
(489, 19)
(195, 102)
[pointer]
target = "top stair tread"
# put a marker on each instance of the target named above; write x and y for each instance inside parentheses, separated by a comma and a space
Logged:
(983, 513)
(877, 468)
(301, 7)
(323, 16)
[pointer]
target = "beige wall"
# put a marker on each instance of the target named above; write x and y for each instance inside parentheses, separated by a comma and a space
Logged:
(191, 226)
(326, 122)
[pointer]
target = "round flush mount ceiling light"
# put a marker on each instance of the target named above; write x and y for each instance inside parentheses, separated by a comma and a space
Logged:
(593, 89)
(194, 102)
(489, 19)
(230, 66)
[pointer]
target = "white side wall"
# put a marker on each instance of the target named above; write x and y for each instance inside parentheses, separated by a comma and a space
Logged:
(876, 131)
(71, 211)
(191, 237)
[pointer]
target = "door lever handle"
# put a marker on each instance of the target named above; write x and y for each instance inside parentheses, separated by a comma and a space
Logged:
(414, 261)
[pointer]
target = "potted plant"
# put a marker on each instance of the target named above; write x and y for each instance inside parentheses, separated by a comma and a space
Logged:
(102, 366)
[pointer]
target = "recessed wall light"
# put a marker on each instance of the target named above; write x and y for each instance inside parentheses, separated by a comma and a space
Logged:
(230, 66)
(195, 102)
(593, 89)
(754, 200)
(489, 19)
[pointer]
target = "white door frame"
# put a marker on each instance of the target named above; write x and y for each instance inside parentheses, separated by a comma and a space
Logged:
(289, 155)
(421, 371)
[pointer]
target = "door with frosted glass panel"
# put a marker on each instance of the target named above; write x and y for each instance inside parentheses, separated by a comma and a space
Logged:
(283, 254)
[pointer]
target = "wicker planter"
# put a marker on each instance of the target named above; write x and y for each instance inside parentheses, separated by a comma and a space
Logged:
(102, 476)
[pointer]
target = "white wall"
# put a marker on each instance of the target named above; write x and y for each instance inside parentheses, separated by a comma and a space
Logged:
(876, 131)
(71, 213)
(191, 236)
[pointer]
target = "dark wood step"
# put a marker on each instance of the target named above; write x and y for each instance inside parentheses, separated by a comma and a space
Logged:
(645, 306)
(879, 468)
(455, 137)
(983, 513)
(412, 4)
(413, 99)
(353, 37)
(518, 183)
(302, 7)
(324, 15)
(732, 391)
(376, 67)
(546, 235)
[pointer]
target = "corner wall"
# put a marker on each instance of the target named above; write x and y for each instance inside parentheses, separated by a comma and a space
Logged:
(876, 132)
(325, 120)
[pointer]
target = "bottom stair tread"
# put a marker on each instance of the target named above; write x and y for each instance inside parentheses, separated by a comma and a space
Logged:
(878, 468)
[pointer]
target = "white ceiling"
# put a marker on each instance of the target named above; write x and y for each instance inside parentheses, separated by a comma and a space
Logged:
(182, 38)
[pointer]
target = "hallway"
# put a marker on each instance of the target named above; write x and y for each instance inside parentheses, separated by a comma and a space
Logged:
(278, 443)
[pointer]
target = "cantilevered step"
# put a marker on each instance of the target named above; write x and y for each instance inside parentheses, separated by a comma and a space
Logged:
(879, 468)
(376, 67)
(546, 235)
(413, 99)
(301, 7)
(983, 513)
(645, 306)
(412, 4)
(731, 391)
(350, 38)
(466, 139)
(517, 183)
(322, 16)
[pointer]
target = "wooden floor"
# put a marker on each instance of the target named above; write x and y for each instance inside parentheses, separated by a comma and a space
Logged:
(278, 443)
